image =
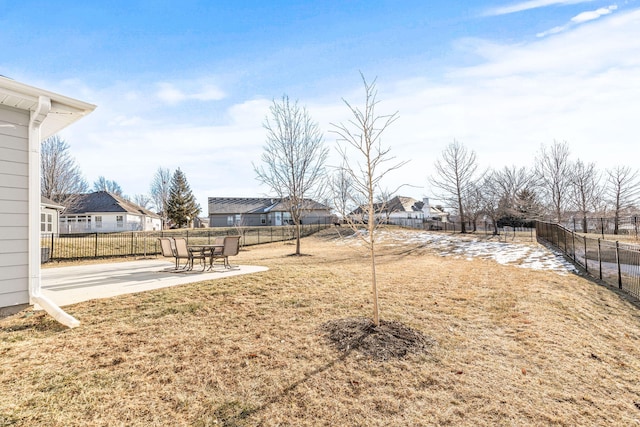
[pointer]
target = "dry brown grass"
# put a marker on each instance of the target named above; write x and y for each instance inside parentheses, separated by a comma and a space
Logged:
(513, 347)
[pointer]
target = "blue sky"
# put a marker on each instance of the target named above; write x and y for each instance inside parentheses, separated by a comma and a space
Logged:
(188, 84)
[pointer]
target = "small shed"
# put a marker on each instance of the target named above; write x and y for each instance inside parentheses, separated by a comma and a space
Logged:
(27, 116)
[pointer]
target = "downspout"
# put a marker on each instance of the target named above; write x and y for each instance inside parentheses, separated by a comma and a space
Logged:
(35, 297)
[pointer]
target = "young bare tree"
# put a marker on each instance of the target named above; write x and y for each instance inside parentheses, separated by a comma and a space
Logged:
(160, 189)
(553, 174)
(365, 162)
(623, 191)
(294, 159)
(585, 189)
(60, 177)
(456, 171)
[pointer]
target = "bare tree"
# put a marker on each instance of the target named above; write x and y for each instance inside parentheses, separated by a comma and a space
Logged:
(585, 189)
(341, 192)
(490, 196)
(160, 189)
(293, 159)
(60, 178)
(103, 184)
(553, 173)
(623, 190)
(142, 200)
(510, 183)
(366, 168)
(473, 204)
(456, 171)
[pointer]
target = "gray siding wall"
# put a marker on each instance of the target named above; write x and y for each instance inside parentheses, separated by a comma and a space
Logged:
(14, 207)
(316, 217)
(254, 220)
(248, 220)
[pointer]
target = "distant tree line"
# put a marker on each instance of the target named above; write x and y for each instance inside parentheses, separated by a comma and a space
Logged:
(556, 188)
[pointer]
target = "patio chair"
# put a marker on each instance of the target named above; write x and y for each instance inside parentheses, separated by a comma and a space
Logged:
(182, 252)
(231, 248)
(167, 249)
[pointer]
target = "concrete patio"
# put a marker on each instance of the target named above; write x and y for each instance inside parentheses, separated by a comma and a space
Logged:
(70, 285)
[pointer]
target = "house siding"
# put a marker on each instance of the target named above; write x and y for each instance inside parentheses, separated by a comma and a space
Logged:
(14, 207)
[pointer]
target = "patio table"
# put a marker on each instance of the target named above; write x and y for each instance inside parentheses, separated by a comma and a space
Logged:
(206, 250)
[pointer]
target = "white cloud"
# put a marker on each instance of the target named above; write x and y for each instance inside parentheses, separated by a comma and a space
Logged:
(594, 14)
(581, 18)
(531, 4)
(208, 92)
(177, 92)
(169, 94)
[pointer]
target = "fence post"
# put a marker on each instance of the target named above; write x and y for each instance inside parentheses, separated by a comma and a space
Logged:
(96, 246)
(573, 243)
(599, 260)
(132, 243)
(52, 240)
(602, 226)
(618, 262)
(586, 257)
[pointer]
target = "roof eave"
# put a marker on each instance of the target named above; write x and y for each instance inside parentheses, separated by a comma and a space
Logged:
(64, 110)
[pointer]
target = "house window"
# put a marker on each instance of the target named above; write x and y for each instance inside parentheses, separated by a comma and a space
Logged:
(98, 219)
(286, 218)
(46, 223)
(230, 220)
(120, 221)
(263, 219)
(238, 219)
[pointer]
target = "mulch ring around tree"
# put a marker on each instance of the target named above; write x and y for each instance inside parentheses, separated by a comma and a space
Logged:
(390, 340)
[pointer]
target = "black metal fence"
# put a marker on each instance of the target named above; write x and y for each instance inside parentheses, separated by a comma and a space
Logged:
(617, 264)
(482, 227)
(627, 226)
(141, 243)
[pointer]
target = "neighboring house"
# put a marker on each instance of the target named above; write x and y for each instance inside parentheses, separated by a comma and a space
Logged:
(433, 213)
(402, 210)
(104, 212)
(49, 215)
(252, 212)
(27, 116)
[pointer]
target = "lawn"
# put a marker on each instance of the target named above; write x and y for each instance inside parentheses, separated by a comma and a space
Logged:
(508, 345)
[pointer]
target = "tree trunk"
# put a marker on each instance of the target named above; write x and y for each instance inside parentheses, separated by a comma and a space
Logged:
(374, 288)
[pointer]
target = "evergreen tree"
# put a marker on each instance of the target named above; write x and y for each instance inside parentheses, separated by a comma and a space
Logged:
(182, 207)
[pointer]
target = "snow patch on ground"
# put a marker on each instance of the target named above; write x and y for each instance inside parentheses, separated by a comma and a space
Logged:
(535, 257)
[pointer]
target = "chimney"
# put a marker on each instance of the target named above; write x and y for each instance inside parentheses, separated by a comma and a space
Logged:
(426, 208)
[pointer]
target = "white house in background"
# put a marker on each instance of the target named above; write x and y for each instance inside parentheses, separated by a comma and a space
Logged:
(49, 215)
(104, 212)
(433, 213)
(402, 210)
(27, 116)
